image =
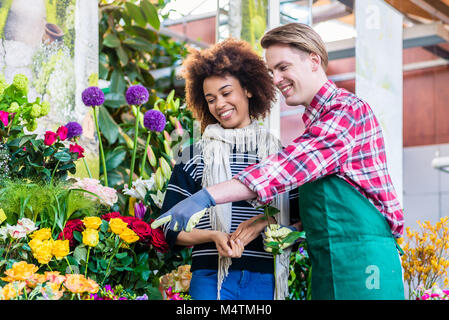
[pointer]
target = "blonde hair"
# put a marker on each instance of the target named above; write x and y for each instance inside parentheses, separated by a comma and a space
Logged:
(299, 36)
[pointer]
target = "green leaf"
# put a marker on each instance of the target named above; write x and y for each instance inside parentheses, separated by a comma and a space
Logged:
(48, 152)
(114, 99)
(122, 55)
(80, 253)
(111, 41)
(151, 14)
(136, 13)
(292, 236)
(121, 255)
(141, 32)
(118, 83)
(62, 156)
(115, 158)
(108, 126)
(139, 43)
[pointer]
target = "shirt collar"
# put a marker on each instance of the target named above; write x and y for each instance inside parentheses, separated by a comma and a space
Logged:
(316, 107)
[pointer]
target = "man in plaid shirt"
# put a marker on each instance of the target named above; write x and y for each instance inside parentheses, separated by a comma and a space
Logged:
(339, 165)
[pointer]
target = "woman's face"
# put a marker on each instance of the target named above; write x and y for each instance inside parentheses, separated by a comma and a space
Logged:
(227, 101)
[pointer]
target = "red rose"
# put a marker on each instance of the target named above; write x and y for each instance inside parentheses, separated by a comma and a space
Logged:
(111, 215)
(70, 227)
(62, 132)
(158, 240)
(129, 220)
(75, 148)
(49, 138)
(142, 229)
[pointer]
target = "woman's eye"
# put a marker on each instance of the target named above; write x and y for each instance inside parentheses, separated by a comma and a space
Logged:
(283, 68)
(210, 101)
(225, 94)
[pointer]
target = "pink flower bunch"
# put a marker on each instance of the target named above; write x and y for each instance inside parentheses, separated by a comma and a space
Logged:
(107, 195)
(4, 118)
(61, 134)
(434, 293)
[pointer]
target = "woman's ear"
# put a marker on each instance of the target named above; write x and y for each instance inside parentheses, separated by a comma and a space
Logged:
(248, 94)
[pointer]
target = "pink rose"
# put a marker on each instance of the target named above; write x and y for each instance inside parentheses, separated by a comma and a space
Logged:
(49, 138)
(4, 118)
(62, 133)
(75, 148)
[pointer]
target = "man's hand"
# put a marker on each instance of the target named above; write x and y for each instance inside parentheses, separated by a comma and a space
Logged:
(187, 213)
(250, 229)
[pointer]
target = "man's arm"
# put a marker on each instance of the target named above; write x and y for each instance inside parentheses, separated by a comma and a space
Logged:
(230, 191)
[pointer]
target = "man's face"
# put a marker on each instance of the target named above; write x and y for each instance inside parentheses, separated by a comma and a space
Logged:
(292, 72)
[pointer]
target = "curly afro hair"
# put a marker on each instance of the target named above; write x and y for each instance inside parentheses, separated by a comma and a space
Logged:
(229, 57)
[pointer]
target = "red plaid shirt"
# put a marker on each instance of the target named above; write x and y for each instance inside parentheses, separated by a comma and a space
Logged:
(342, 137)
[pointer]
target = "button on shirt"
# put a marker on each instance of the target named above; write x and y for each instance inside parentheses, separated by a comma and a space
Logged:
(342, 136)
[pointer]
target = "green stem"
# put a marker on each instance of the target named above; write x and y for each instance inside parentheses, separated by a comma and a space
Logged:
(145, 153)
(103, 159)
(68, 263)
(85, 164)
(133, 159)
(53, 173)
(109, 264)
(87, 261)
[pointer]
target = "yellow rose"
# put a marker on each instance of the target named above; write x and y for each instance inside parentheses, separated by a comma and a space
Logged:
(129, 236)
(43, 253)
(42, 234)
(12, 290)
(92, 222)
(117, 225)
(60, 249)
(20, 271)
(90, 237)
(34, 243)
(77, 283)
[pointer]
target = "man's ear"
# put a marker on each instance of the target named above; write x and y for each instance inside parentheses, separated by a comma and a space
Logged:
(316, 61)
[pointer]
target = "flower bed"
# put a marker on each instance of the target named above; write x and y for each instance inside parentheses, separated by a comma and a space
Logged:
(63, 237)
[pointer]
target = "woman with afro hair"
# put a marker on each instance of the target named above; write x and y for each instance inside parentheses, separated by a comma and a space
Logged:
(229, 90)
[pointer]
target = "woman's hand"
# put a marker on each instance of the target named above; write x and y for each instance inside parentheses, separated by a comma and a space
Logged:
(227, 247)
(250, 229)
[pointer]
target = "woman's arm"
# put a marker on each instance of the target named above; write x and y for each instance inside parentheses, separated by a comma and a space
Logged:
(225, 246)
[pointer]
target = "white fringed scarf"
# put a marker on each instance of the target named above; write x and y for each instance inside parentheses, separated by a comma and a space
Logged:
(217, 145)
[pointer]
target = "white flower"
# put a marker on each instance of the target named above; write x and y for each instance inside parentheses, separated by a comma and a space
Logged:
(27, 224)
(139, 188)
(158, 198)
(16, 232)
(3, 233)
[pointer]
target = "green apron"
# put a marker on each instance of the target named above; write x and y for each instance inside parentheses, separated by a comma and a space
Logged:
(353, 253)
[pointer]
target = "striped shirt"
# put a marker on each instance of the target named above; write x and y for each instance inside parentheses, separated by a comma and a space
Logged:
(342, 136)
(186, 179)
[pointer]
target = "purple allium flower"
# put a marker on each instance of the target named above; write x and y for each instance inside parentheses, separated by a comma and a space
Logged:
(154, 120)
(136, 95)
(74, 129)
(92, 96)
(144, 297)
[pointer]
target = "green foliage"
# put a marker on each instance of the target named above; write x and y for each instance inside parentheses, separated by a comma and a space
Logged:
(254, 21)
(50, 204)
(130, 47)
(14, 100)
(300, 278)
